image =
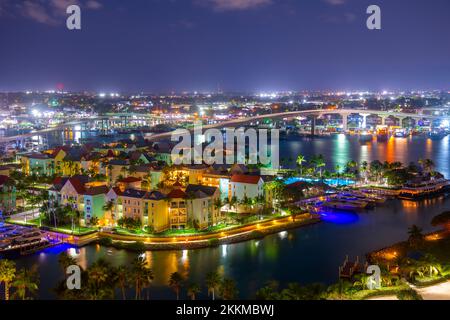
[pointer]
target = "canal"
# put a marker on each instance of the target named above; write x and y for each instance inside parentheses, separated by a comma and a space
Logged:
(306, 255)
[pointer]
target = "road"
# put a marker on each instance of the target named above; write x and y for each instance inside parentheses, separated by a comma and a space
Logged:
(237, 122)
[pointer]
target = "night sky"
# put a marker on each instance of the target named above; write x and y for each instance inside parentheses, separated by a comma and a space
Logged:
(234, 45)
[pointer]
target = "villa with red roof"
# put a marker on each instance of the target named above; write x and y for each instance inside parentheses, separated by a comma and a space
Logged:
(246, 186)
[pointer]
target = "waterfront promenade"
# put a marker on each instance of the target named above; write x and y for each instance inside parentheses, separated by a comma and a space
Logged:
(254, 230)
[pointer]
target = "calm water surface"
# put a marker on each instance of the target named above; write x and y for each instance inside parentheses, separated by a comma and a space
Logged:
(306, 255)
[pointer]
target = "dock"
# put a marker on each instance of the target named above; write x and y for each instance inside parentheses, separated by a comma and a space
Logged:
(36, 247)
(350, 268)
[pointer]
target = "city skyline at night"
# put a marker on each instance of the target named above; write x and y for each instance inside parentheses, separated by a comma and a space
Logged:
(211, 45)
(224, 151)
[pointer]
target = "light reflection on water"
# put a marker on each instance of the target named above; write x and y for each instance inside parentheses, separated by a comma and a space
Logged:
(339, 149)
(309, 254)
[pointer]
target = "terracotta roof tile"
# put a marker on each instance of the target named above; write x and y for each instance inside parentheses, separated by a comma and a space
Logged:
(243, 178)
(176, 194)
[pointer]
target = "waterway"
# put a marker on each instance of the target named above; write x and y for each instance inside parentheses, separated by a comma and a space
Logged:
(306, 255)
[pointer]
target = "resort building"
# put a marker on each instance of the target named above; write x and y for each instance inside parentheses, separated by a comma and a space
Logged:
(117, 168)
(94, 200)
(156, 211)
(218, 176)
(37, 163)
(72, 192)
(178, 217)
(129, 183)
(246, 187)
(151, 208)
(201, 206)
(7, 195)
(114, 196)
(54, 192)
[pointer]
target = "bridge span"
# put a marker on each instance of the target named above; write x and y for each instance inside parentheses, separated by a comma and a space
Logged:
(344, 113)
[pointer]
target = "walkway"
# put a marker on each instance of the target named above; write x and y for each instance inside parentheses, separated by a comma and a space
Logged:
(29, 215)
(439, 291)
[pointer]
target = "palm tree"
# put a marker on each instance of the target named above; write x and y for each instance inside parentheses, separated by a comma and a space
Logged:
(109, 206)
(364, 168)
(148, 179)
(338, 173)
(122, 276)
(294, 292)
(97, 277)
(175, 282)
(213, 280)
(124, 171)
(318, 163)
(267, 293)
(7, 274)
(431, 264)
(26, 281)
(362, 281)
(351, 167)
(300, 160)
(109, 168)
(66, 261)
(141, 275)
(415, 235)
(233, 202)
(192, 290)
(340, 289)
(228, 289)
(148, 279)
(427, 165)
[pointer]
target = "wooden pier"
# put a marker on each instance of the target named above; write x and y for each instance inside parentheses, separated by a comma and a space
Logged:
(35, 247)
(350, 268)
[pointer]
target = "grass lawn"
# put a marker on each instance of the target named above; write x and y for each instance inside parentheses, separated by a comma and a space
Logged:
(78, 231)
(384, 291)
(63, 229)
(128, 232)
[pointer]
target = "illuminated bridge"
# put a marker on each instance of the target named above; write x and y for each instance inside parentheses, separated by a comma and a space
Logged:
(123, 119)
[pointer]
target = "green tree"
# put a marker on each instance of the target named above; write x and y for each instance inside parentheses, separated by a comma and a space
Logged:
(7, 274)
(98, 277)
(122, 276)
(228, 289)
(141, 275)
(26, 283)
(65, 261)
(213, 281)
(192, 290)
(109, 206)
(415, 236)
(300, 160)
(176, 282)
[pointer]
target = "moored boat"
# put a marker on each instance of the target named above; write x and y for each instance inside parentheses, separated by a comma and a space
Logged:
(425, 188)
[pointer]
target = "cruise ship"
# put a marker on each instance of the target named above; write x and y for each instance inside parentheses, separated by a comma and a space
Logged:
(424, 188)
